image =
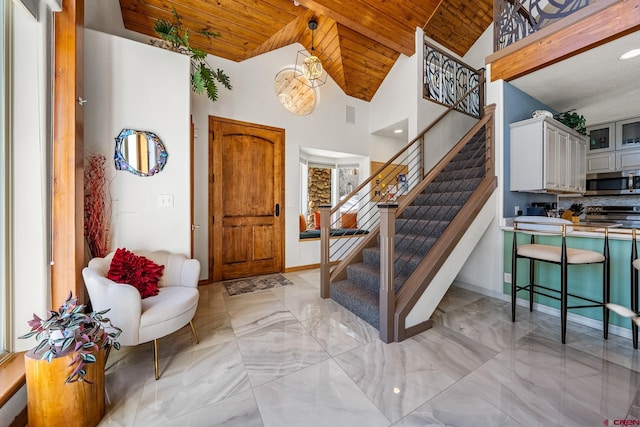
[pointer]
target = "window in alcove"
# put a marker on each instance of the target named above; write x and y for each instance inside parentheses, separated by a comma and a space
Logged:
(326, 177)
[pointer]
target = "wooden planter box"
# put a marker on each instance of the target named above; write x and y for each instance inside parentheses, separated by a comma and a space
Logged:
(52, 403)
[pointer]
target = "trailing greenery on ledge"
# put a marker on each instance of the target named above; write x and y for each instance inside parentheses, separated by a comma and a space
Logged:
(203, 77)
(573, 120)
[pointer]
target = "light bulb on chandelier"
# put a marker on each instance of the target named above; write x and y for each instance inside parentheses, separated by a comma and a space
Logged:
(312, 68)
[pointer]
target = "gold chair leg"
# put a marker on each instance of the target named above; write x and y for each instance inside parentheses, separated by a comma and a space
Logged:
(193, 330)
(155, 357)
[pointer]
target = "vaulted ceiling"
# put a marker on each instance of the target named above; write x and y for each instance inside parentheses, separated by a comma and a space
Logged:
(358, 41)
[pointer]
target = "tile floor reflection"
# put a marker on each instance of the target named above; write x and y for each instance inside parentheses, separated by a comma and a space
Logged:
(285, 357)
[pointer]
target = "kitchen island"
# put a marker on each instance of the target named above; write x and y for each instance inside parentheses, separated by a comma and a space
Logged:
(585, 280)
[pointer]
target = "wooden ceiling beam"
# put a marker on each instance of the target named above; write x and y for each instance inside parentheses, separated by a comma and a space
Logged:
(359, 27)
(592, 26)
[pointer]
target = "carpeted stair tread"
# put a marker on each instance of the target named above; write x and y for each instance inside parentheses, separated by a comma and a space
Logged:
(436, 212)
(419, 245)
(459, 175)
(444, 199)
(467, 184)
(361, 302)
(403, 266)
(472, 153)
(364, 275)
(461, 164)
(424, 227)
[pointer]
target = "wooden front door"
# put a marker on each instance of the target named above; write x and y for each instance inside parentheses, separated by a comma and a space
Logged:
(246, 193)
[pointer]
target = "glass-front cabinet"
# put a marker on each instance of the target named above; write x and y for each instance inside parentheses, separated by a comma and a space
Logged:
(628, 133)
(601, 138)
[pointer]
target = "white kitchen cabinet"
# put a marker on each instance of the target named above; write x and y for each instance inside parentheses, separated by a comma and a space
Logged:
(601, 162)
(619, 160)
(628, 134)
(547, 156)
(601, 138)
(577, 172)
(628, 159)
(626, 156)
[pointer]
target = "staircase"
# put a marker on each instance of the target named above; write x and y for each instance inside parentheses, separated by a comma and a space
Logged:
(445, 212)
(417, 228)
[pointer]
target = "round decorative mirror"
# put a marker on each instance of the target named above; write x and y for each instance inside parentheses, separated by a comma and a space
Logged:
(140, 152)
(293, 94)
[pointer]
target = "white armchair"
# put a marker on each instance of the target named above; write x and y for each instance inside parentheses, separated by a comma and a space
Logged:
(144, 320)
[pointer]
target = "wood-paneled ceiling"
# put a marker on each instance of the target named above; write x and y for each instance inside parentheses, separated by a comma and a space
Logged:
(358, 41)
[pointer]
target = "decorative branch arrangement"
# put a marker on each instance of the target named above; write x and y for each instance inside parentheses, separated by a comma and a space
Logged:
(203, 78)
(97, 206)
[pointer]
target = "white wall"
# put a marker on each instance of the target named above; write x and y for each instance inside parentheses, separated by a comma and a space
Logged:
(395, 99)
(484, 268)
(134, 85)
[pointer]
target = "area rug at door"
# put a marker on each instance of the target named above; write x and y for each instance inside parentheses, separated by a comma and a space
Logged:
(256, 283)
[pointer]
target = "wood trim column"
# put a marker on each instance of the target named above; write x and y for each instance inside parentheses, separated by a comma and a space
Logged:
(68, 154)
(387, 291)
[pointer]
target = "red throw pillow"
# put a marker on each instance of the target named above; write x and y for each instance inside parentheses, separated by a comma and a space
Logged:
(138, 271)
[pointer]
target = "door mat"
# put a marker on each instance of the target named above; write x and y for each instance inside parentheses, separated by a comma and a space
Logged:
(256, 283)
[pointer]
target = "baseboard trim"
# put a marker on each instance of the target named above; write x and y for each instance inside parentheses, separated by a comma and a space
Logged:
(419, 328)
(301, 268)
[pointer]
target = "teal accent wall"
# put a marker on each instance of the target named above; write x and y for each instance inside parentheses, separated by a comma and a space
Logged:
(518, 106)
(583, 280)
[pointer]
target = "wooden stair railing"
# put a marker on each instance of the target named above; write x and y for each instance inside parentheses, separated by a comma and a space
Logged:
(422, 276)
(398, 306)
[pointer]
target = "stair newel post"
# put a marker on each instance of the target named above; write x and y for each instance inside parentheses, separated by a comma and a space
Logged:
(387, 293)
(325, 226)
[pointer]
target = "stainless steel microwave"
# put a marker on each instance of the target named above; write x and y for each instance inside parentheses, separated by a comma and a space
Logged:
(609, 183)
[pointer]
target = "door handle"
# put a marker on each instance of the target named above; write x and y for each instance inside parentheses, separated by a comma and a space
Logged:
(277, 209)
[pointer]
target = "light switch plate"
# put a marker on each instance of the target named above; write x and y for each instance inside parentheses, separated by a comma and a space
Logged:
(165, 200)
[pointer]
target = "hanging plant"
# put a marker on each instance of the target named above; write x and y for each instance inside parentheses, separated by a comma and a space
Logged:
(203, 77)
(573, 120)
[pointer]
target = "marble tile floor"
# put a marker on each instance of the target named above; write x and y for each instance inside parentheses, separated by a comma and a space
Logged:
(285, 357)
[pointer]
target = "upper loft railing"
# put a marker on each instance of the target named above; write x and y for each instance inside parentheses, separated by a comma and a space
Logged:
(516, 19)
(447, 81)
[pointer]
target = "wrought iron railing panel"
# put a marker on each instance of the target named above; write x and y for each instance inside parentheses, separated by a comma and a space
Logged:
(517, 19)
(446, 80)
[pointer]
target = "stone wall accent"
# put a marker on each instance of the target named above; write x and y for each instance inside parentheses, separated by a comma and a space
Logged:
(319, 191)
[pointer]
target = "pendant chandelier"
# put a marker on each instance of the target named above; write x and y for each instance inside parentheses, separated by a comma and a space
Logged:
(308, 66)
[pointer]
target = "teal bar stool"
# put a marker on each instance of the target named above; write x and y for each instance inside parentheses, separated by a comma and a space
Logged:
(559, 255)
